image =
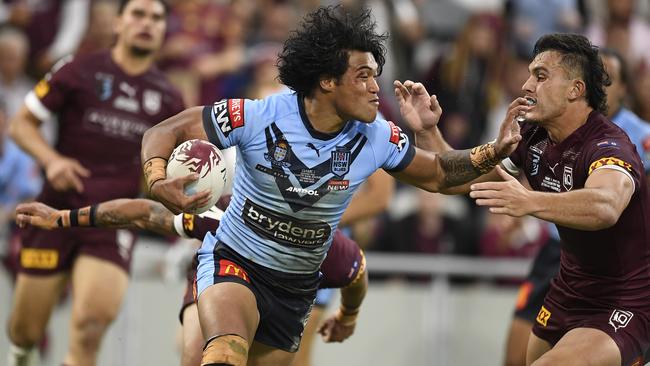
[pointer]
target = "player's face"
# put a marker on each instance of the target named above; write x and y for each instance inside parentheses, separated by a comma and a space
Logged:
(356, 94)
(548, 87)
(616, 91)
(141, 26)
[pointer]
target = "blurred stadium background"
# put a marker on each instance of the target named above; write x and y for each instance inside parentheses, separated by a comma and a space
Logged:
(444, 273)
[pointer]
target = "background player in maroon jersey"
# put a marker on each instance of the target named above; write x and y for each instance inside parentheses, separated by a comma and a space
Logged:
(104, 102)
(588, 179)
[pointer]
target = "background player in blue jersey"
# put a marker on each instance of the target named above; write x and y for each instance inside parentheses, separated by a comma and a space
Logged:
(547, 262)
(302, 157)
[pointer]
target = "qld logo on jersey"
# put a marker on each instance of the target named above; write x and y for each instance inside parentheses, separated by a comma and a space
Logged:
(340, 161)
(151, 101)
(567, 178)
(279, 154)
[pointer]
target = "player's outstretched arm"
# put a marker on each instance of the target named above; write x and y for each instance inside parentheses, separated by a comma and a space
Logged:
(450, 171)
(597, 206)
(121, 213)
(157, 145)
(340, 326)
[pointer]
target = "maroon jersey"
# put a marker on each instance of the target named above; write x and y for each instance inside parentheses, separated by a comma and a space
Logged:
(609, 266)
(102, 114)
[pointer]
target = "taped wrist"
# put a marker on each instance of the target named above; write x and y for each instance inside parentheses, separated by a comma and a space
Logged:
(347, 317)
(84, 216)
(154, 170)
(484, 158)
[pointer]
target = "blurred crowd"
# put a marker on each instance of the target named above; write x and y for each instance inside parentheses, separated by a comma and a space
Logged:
(473, 54)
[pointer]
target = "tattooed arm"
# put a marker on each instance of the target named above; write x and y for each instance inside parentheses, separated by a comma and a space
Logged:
(120, 213)
(135, 213)
(451, 171)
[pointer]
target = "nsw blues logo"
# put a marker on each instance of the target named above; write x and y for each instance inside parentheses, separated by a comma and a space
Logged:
(279, 154)
(340, 161)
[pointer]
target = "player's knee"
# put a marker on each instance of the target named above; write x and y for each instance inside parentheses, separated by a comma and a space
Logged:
(228, 349)
(90, 330)
(24, 333)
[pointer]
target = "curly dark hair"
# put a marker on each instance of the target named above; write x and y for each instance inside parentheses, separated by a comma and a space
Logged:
(321, 47)
(581, 57)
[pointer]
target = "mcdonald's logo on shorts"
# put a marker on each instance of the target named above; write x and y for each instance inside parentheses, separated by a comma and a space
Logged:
(543, 316)
(39, 258)
(228, 268)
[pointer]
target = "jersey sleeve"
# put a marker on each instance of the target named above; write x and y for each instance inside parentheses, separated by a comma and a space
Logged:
(231, 122)
(616, 154)
(197, 226)
(342, 263)
(395, 150)
(50, 93)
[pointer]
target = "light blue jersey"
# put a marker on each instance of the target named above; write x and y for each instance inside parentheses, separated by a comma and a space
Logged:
(639, 132)
(292, 183)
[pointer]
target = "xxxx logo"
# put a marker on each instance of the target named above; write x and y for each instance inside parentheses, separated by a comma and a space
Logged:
(543, 316)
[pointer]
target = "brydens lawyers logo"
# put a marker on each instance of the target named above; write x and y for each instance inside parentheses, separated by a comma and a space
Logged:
(620, 319)
(228, 268)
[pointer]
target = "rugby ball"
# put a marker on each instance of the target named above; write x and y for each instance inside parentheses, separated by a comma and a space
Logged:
(206, 160)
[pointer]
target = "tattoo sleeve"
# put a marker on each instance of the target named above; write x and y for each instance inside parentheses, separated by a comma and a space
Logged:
(132, 214)
(161, 220)
(112, 219)
(458, 167)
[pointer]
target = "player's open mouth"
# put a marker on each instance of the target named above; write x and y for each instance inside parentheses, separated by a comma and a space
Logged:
(531, 101)
(375, 101)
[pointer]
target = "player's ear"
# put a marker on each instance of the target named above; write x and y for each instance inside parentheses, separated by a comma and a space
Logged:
(328, 84)
(578, 89)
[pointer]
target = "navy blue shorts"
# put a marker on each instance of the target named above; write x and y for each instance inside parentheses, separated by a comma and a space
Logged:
(284, 300)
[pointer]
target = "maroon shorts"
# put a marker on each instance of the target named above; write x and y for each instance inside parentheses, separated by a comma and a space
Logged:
(560, 313)
(45, 252)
